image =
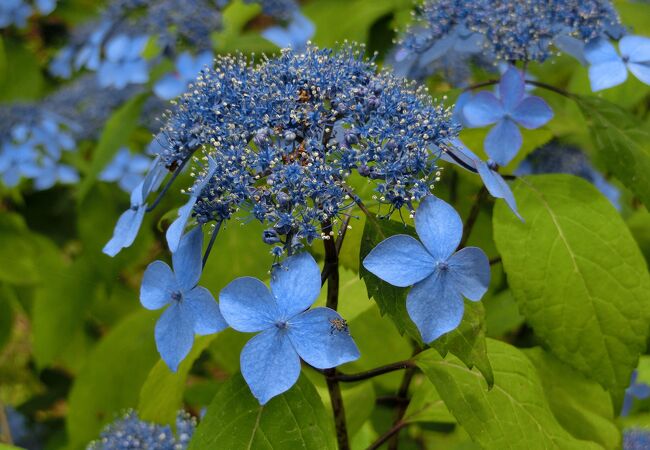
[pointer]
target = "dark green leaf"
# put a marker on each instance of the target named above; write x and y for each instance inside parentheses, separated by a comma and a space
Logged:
(427, 406)
(577, 275)
(623, 143)
(294, 420)
(514, 414)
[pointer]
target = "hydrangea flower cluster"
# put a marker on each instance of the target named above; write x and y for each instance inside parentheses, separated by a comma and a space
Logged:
(636, 439)
(32, 142)
(129, 432)
(16, 12)
(558, 158)
(114, 44)
(281, 138)
(126, 169)
(502, 30)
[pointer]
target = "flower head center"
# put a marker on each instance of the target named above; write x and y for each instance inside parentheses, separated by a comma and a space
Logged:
(281, 325)
(177, 296)
(443, 266)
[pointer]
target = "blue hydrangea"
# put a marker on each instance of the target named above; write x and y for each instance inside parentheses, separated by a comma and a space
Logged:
(558, 158)
(636, 439)
(439, 276)
(280, 138)
(295, 34)
(279, 9)
(127, 169)
(506, 30)
(288, 329)
(169, 23)
(128, 224)
(509, 108)
(131, 433)
(32, 143)
(25, 433)
(16, 12)
(124, 63)
(608, 69)
(187, 68)
(191, 309)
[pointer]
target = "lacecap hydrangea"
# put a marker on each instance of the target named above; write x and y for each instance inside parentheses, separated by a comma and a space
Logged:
(502, 30)
(130, 432)
(280, 140)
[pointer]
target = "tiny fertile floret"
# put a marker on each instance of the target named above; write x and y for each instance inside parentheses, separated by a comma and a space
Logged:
(281, 139)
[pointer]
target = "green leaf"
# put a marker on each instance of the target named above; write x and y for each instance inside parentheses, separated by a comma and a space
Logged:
(7, 299)
(501, 314)
(162, 394)
(514, 414)
(577, 275)
(115, 134)
(623, 143)
(581, 405)
(236, 421)
(9, 447)
(112, 377)
(59, 308)
(427, 406)
(390, 299)
(22, 78)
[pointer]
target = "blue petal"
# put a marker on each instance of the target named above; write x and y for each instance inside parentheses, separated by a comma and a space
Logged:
(154, 177)
(627, 404)
(169, 86)
(438, 49)
(497, 186)
(503, 142)
(205, 310)
(635, 48)
(247, 305)
(117, 47)
(532, 112)
(601, 51)
(296, 284)
(187, 259)
(175, 230)
(439, 227)
(606, 75)
(639, 390)
(571, 46)
(174, 334)
(269, 364)
(435, 306)
(158, 284)
(278, 35)
(321, 338)
(641, 71)
(461, 101)
(400, 260)
(511, 88)
(125, 231)
(483, 109)
(469, 269)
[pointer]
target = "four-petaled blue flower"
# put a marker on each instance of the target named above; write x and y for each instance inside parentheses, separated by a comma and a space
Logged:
(187, 68)
(608, 68)
(440, 277)
(124, 63)
(270, 361)
(507, 110)
(192, 309)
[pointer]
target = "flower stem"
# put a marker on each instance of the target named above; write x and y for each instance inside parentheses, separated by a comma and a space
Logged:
(387, 435)
(400, 365)
(162, 193)
(5, 431)
(402, 393)
(215, 232)
(473, 215)
(332, 268)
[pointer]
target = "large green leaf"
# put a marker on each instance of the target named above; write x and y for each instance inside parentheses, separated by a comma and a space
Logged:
(294, 420)
(112, 377)
(577, 275)
(21, 77)
(581, 405)
(427, 406)
(115, 134)
(623, 143)
(162, 394)
(514, 414)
